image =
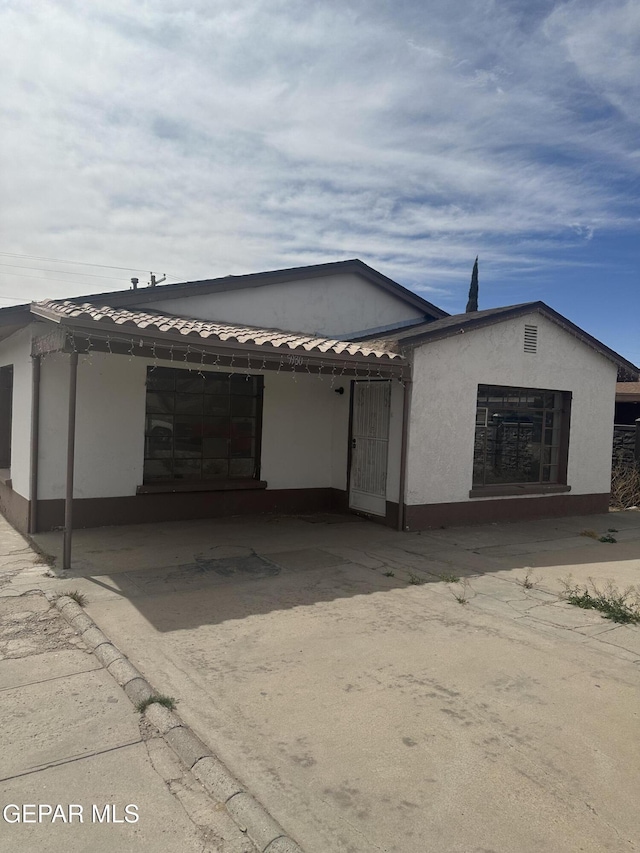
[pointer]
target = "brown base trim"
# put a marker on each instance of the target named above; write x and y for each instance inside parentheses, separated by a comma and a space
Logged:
(425, 516)
(15, 508)
(148, 508)
(341, 504)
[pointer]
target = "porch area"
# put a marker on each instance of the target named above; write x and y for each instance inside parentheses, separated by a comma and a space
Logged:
(148, 418)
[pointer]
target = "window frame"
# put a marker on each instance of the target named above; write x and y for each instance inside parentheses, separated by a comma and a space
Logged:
(540, 486)
(6, 416)
(204, 483)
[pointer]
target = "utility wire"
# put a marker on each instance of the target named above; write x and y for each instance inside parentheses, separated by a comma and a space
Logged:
(82, 263)
(42, 277)
(64, 272)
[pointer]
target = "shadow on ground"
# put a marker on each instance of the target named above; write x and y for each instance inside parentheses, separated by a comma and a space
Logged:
(242, 567)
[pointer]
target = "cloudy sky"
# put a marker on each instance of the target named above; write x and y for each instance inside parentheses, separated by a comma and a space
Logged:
(201, 138)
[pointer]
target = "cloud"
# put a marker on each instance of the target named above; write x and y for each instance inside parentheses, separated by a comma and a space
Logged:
(234, 137)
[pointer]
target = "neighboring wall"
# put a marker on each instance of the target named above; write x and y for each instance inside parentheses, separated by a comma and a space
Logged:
(334, 305)
(446, 377)
(624, 445)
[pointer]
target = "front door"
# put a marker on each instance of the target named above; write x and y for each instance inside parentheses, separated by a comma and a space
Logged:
(369, 447)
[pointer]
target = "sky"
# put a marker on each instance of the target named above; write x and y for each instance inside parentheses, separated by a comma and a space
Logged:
(203, 138)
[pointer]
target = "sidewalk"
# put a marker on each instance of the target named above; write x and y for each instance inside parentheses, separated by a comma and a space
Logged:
(70, 737)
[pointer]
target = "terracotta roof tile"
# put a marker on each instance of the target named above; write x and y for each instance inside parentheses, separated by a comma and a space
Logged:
(206, 329)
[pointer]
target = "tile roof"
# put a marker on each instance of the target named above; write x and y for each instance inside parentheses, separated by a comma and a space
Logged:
(64, 310)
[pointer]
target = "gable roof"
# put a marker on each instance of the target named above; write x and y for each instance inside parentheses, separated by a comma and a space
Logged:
(124, 298)
(424, 333)
(88, 317)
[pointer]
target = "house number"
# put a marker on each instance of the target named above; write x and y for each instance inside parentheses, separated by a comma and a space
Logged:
(295, 359)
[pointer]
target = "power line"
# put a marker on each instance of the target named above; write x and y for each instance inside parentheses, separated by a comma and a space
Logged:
(64, 272)
(81, 263)
(40, 277)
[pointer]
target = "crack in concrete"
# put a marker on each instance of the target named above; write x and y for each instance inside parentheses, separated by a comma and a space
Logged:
(72, 760)
(46, 680)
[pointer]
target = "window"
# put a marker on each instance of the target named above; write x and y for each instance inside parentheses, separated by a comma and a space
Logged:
(201, 427)
(6, 415)
(521, 436)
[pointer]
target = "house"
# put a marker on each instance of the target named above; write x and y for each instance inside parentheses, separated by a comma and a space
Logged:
(328, 387)
(627, 402)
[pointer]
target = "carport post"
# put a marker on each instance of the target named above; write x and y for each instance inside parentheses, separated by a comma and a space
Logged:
(637, 444)
(406, 412)
(35, 442)
(71, 442)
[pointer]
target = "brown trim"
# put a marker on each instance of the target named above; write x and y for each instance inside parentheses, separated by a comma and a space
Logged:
(510, 489)
(168, 486)
(15, 508)
(181, 506)
(425, 516)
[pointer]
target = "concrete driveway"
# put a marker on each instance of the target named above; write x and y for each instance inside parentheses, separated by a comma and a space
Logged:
(369, 699)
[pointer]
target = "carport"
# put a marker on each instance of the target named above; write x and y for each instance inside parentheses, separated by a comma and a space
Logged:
(84, 337)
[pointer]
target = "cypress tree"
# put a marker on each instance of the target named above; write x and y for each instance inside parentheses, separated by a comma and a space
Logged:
(472, 304)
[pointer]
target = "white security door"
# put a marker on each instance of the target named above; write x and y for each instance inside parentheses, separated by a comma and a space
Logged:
(369, 447)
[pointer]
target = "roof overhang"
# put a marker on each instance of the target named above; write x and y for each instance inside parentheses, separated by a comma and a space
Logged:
(13, 318)
(462, 323)
(134, 334)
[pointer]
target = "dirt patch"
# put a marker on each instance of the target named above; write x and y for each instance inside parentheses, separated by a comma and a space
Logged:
(30, 625)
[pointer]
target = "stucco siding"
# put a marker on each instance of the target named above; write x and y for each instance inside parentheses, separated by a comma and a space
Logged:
(297, 432)
(297, 427)
(16, 350)
(334, 306)
(446, 377)
(109, 426)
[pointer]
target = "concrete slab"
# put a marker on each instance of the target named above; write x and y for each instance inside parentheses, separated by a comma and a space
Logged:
(117, 779)
(45, 667)
(386, 718)
(50, 722)
(368, 713)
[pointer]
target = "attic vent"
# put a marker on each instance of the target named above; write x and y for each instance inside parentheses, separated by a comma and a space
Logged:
(530, 338)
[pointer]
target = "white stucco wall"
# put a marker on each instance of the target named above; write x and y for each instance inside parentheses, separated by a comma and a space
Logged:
(298, 444)
(16, 350)
(297, 427)
(332, 305)
(395, 442)
(446, 377)
(109, 426)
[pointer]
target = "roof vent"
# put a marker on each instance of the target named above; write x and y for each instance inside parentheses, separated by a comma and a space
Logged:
(531, 339)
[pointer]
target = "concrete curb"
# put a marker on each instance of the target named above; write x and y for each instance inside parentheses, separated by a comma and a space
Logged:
(248, 814)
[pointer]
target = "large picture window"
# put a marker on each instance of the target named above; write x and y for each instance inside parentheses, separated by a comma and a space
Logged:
(202, 427)
(521, 436)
